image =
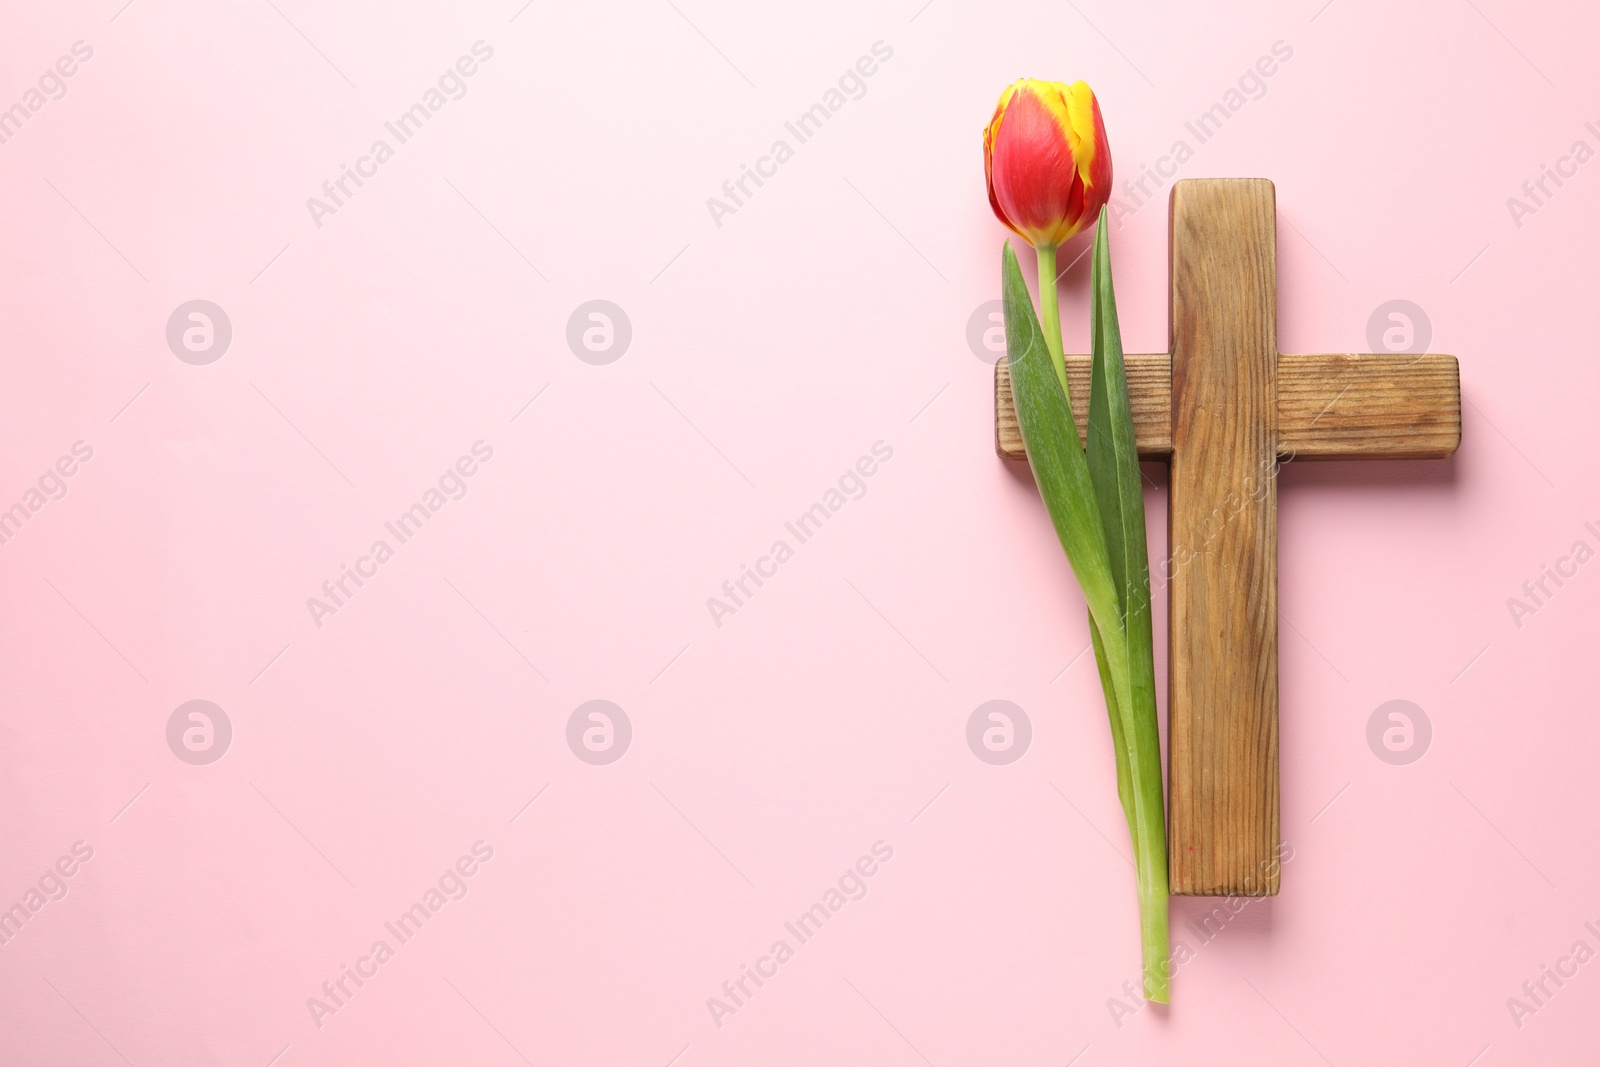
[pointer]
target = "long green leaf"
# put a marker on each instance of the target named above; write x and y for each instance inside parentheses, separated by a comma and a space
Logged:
(1113, 462)
(1061, 471)
(1044, 415)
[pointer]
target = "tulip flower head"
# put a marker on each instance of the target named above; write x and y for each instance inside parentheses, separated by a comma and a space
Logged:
(1046, 160)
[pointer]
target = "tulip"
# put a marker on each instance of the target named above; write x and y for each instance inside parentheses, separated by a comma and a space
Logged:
(1048, 169)
(1046, 160)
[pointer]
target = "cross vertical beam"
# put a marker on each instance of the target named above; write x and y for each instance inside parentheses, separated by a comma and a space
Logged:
(1223, 533)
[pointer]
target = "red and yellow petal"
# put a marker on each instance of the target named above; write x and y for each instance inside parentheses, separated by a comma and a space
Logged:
(1046, 162)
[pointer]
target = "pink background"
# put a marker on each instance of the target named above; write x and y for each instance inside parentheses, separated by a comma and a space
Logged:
(828, 313)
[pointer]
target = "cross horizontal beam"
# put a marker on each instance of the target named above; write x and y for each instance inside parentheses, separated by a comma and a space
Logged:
(1342, 406)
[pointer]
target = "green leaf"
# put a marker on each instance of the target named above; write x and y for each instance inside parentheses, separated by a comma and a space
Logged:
(1113, 462)
(1074, 501)
(1044, 415)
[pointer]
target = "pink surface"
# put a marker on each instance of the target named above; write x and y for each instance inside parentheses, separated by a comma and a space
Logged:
(773, 346)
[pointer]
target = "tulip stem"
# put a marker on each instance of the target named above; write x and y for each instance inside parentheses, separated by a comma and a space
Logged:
(1050, 307)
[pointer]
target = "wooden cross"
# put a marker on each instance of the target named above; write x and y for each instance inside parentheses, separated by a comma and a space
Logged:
(1225, 407)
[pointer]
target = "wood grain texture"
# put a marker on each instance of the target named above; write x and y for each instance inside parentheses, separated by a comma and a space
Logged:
(1149, 395)
(1339, 406)
(1222, 701)
(1384, 406)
